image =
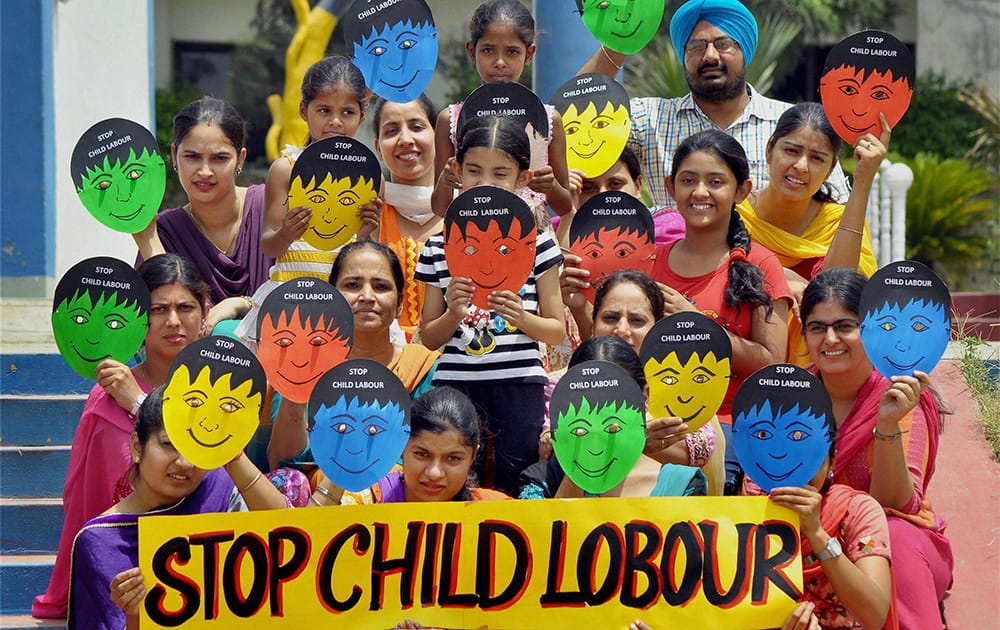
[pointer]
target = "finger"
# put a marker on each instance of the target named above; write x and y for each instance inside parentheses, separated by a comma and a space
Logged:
(886, 131)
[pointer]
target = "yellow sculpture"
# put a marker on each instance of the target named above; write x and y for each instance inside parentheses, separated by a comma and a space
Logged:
(308, 46)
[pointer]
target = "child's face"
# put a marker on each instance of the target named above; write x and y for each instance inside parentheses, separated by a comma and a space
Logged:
(491, 167)
(335, 111)
(615, 178)
(853, 105)
(706, 191)
(500, 54)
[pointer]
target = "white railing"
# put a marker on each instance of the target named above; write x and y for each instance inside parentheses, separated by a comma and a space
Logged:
(886, 213)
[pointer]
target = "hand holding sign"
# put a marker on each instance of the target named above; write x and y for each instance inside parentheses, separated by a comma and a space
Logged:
(305, 327)
(361, 415)
(783, 426)
(119, 174)
(598, 424)
(212, 400)
(100, 310)
(334, 177)
(905, 318)
(395, 46)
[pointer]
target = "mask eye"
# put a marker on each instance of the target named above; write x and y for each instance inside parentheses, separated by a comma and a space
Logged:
(407, 44)
(503, 250)
(104, 184)
(343, 428)
(378, 51)
(880, 95)
(134, 174)
(701, 379)
(470, 250)
(849, 90)
(318, 341)
(670, 379)
(373, 429)
(798, 435)
(79, 319)
(579, 432)
(317, 199)
(194, 401)
(919, 327)
(762, 434)
(117, 323)
(887, 326)
(231, 405)
(283, 342)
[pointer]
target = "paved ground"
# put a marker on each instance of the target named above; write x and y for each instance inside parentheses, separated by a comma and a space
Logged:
(966, 492)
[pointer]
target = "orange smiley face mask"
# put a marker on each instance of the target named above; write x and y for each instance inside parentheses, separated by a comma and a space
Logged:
(866, 74)
(490, 238)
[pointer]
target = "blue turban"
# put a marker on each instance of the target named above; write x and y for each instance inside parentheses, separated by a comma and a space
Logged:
(729, 16)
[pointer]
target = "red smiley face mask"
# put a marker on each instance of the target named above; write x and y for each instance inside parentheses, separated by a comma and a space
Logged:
(609, 250)
(296, 352)
(495, 260)
(853, 104)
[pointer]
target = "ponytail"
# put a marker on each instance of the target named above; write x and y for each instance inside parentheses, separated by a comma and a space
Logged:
(746, 284)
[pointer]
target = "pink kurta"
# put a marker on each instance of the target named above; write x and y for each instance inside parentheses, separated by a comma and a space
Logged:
(98, 458)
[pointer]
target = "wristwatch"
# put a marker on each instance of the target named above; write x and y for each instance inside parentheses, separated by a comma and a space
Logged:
(831, 551)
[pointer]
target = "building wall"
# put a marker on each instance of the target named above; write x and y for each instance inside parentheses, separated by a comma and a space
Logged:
(102, 67)
(960, 38)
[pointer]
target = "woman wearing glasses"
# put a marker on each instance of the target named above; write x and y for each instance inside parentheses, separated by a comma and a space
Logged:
(887, 438)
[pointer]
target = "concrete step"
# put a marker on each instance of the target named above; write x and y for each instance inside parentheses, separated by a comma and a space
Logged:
(30, 525)
(27, 622)
(38, 374)
(21, 578)
(33, 471)
(27, 325)
(39, 420)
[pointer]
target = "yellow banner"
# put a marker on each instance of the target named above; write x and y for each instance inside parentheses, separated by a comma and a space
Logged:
(709, 562)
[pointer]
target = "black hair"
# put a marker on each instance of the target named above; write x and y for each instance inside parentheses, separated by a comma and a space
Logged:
(718, 342)
(746, 282)
(142, 142)
(809, 116)
(309, 312)
(358, 29)
(312, 173)
(631, 162)
(430, 110)
(334, 71)
(241, 363)
(444, 409)
(148, 423)
(164, 269)
(510, 11)
(646, 284)
(842, 56)
(212, 111)
(495, 133)
(841, 284)
(612, 350)
(390, 256)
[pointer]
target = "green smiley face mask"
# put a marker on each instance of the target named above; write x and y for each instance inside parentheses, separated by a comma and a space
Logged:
(598, 425)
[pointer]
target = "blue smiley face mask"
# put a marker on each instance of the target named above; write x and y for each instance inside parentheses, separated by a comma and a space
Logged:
(899, 340)
(398, 58)
(356, 443)
(781, 447)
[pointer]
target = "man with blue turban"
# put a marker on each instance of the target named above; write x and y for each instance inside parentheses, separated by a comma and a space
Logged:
(715, 40)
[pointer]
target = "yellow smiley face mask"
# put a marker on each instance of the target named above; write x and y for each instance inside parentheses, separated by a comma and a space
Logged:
(335, 205)
(209, 422)
(691, 391)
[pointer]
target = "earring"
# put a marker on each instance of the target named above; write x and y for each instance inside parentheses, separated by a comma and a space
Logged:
(175, 168)
(239, 169)
(135, 459)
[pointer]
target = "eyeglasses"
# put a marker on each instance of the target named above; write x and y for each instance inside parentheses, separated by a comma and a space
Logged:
(842, 327)
(724, 46)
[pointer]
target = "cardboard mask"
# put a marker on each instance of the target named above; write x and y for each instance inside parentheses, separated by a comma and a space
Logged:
(613, 230)
(783, 426)
(622, 25)
(305, 327)
(595, 116)
(866, 74)
(118, 174)
(395, 46)
(687, 359)
(489, 236)
(507, 99)
(333, 177)
(598, 424)
(361, 422)
(905, 318)
(100, 310)
(211, 403)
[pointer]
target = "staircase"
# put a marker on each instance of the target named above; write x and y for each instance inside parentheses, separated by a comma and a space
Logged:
(40, 403)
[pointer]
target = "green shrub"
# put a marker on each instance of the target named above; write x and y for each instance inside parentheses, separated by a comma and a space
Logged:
(937, 121)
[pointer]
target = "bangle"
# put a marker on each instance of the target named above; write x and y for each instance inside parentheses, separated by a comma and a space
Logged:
(250, 301)
(608, 57)
(312, 497)
(886, 437)
(858, 232)
(326, 493)
(250, 485)
(141, 398)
